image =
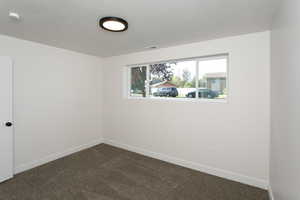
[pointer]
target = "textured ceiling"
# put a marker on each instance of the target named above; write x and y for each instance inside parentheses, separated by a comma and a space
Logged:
(73, 24)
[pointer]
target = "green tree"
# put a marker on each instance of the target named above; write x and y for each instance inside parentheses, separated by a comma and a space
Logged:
(176, 81)
(186, 75)
(160, 72)
(138, 79)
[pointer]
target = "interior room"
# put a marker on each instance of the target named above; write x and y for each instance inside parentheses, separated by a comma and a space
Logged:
(149, 100)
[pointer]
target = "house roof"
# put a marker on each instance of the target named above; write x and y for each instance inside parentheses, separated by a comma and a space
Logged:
(163, 84)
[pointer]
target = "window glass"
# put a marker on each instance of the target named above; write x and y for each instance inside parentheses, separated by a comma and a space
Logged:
(138, 81)
(212, 79)
(173, 79)
(199, 78)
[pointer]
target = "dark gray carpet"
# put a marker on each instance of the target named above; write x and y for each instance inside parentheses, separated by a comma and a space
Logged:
(107, 173)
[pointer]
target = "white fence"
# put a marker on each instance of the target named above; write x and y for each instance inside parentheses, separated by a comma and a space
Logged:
(184, 91)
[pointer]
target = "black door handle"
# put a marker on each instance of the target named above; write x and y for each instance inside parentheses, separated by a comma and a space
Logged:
(8, 124)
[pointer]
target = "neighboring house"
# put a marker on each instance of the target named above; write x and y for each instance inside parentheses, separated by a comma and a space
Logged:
(216, 81)
(164, 84)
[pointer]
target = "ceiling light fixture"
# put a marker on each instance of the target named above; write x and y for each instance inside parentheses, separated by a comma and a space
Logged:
(14, 15)
(113, 24)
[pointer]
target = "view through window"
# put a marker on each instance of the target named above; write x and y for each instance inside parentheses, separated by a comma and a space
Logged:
(202, 78)
(138, 81)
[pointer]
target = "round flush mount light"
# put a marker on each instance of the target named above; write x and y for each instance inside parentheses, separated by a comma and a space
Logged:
(14, 16)
(114, 24)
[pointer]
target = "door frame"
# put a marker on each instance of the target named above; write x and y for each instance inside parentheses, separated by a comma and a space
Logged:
(12, 119)
(13, 112)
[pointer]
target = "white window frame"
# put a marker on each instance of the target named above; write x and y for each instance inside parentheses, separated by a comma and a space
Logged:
(196, 99)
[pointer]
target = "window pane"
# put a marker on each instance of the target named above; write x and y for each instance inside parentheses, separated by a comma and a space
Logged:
(212, 79)
(138, 81)
(173, 79)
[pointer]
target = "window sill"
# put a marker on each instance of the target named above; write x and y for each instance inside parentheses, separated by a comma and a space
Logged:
(179, 99)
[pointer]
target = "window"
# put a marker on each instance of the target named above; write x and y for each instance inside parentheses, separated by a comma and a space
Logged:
(138, 81)
(198, 78)
(172, 79)
(212, 76)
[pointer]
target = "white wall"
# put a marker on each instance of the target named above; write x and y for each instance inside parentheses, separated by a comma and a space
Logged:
(227, 139)
(60, 97)
(56, 101)
(285, 92)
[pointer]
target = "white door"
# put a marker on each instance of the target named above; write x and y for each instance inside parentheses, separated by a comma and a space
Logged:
(6, 128)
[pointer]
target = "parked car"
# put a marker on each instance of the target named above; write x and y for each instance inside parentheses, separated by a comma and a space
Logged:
(203, 93)
(166, 92)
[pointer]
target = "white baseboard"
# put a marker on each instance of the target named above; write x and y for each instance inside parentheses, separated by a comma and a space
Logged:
(55, 156)
(196, 166)
(5, 178)
(271, 195)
